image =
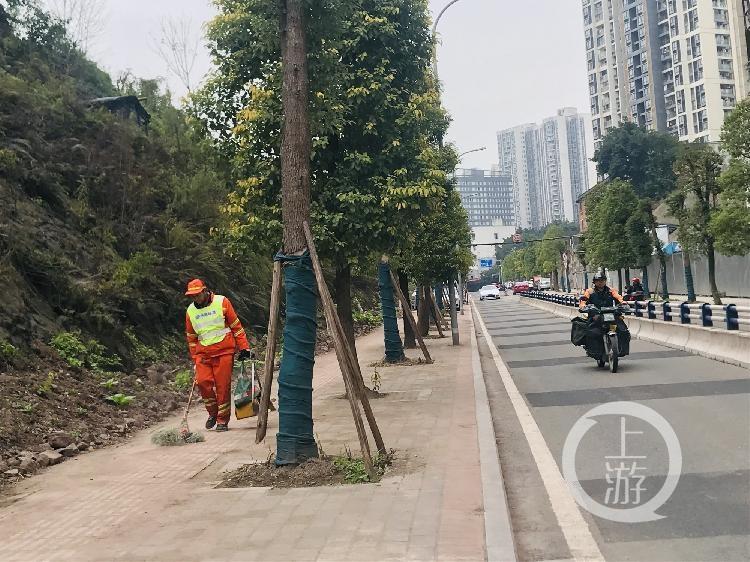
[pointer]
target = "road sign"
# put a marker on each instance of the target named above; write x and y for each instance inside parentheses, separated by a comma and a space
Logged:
(485, 262)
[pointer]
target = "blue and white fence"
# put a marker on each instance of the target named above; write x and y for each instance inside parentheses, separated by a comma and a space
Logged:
(729, 316)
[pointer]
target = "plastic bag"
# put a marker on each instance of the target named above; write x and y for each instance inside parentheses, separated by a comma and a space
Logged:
(578, 328)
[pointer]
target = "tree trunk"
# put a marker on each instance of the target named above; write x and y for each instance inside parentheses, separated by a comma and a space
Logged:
(688, 269)
(555, 281)
(423, 310)
(619, 280)
(342, 287)
(711, 255)
(452, 308)
(394, 349)
(660, 254)
(295, 130)
(627, 276)
(646, 289)
(295, 441)
(410, 341)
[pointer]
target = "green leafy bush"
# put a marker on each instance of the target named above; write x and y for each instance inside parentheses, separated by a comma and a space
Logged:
(120, 399)
(369, 318)
(44, 388)
(136, 272)
(110, 383)
(183, 379)
(79, 353)
(8, 352)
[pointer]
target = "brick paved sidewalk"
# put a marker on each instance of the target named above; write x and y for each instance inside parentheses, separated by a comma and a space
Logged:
(141, 502)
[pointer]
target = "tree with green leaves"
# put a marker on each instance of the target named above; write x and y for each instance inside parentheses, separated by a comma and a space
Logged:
(376, 120)
(730, 223)
(549, 252)
(645, 159)
(695, 201)
(608, 239)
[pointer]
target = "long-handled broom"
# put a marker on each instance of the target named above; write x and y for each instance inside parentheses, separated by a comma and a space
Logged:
(183, 435)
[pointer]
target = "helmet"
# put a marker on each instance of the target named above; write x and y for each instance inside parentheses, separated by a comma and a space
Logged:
(600, 274)
(195, 287)
(636, 279)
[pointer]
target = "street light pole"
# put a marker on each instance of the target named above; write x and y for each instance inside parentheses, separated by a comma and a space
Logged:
(434, 39)
(481, 148)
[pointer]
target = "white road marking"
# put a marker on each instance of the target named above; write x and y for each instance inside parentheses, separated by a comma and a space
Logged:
(576, 531)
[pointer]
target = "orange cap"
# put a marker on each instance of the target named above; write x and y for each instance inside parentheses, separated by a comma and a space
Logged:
(194, 287)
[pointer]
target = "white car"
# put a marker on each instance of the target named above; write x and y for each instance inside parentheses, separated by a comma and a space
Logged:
(544, 284)
(489, 292)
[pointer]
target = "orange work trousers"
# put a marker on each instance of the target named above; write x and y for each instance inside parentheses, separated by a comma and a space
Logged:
(214, 379)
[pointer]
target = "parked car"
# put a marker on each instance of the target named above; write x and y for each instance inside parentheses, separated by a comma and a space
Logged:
(489, 292)
(544, 284)
(521, 287)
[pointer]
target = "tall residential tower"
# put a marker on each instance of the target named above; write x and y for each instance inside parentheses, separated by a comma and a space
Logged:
(549, 165)
(676, 66)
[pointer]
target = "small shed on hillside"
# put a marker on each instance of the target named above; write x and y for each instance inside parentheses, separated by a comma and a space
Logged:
(124, 106)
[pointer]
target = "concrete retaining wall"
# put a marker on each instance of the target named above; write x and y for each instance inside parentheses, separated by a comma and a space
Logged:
(715, 343)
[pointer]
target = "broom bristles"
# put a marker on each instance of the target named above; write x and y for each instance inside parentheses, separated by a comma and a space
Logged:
(173, 437)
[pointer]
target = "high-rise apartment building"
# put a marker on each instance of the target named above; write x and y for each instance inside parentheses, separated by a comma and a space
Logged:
(487, 196)
(670, 65)
(549, 165)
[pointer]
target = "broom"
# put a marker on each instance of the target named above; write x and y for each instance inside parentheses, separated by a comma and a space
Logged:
(183, 435)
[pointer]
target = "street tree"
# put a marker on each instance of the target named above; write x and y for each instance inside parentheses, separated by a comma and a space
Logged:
(376, 120)
(645, 159)
(695, 201)
(550, 251)
(730, 223)
(608, 210)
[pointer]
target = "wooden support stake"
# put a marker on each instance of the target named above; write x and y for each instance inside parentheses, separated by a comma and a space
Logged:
(409, 317)
(339, 344)
(435, 312)
(273, 326)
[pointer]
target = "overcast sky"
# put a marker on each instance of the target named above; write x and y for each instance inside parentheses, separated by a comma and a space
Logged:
(502, 62)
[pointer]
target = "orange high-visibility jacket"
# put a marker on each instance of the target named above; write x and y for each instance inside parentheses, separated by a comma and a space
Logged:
(235, 338)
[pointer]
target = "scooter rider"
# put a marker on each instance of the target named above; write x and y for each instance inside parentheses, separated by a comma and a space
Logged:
(600, 295)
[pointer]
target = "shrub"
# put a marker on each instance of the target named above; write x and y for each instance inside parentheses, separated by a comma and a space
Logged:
(120, 400)
(8, 352)
(369, 318)
(90, 354)
(183, 379)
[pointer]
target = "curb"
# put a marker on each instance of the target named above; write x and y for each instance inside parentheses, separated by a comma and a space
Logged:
(498, 530)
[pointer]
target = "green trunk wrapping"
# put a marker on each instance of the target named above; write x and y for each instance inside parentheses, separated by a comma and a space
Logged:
(394, 349)
(295, 441)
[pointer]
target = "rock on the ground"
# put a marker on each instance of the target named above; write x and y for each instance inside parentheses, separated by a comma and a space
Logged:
(12, 472)
(155, 376)
(82, 446)
(53, 457)
(28, 465)
(3, 466)
(59, 440)
(42, 447)
(69, 451)
(13, 462)
(42, 461)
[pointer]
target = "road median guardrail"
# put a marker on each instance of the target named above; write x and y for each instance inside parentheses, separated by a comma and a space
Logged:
(718, 332)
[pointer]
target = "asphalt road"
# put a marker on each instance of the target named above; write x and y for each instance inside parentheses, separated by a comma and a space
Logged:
(706, 403)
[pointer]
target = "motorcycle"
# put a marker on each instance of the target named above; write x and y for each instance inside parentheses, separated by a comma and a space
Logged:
(635, 296)
(614, 348)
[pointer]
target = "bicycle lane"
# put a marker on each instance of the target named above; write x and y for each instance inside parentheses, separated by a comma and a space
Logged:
(706, 402)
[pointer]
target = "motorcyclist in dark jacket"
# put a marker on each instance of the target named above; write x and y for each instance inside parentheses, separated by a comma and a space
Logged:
(600, 295)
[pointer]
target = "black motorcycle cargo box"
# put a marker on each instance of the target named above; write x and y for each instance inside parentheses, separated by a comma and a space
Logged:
(578, 327)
